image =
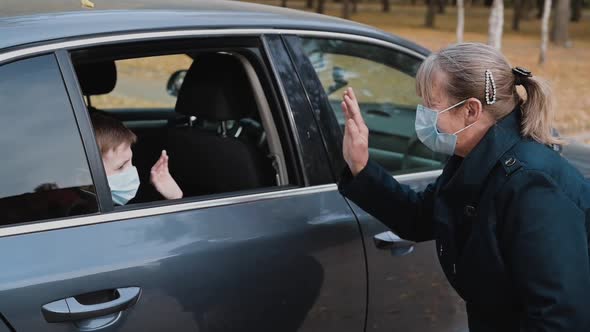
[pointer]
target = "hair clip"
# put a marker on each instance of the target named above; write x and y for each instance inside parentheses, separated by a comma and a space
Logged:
(521, 71)
(490, 88)
(521, 74)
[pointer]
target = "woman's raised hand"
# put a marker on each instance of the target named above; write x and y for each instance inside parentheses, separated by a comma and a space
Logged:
(356, 134)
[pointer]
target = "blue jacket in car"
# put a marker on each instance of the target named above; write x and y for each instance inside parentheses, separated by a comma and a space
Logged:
(511, 226)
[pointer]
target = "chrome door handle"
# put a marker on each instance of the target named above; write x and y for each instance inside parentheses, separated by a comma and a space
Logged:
(389, 241)
(70, 309)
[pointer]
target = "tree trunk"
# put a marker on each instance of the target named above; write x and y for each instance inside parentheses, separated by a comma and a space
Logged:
(430, 13)
(321, 4)
(545, 31)
(540, 5)
(460, 20)
(441, 6)
(346, 9)
(559, 33)
(355, 6)
(518, 7)
(496, 24)
(309, 4)
(283, 3)
(386, 7)
(576, 10)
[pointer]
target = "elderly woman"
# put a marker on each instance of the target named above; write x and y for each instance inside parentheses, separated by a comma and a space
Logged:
(510, 216)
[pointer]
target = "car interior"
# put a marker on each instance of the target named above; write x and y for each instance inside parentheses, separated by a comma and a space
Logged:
(220, 135)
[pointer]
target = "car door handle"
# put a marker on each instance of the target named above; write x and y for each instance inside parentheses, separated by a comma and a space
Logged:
(70, 309)
(389, 241)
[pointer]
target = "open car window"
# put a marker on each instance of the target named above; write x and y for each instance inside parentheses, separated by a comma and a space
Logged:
(207, 109)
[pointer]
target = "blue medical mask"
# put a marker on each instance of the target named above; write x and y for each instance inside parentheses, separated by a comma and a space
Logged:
(124, 185)
(428, 133)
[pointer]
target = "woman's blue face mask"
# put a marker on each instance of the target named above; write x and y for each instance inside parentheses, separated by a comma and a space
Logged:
(428, 133)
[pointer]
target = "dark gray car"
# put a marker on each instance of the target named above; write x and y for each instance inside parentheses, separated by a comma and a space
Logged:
(262, 240)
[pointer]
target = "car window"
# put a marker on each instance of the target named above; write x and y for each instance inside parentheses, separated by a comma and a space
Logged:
(212, 133)
(44, 172)
(384, 82)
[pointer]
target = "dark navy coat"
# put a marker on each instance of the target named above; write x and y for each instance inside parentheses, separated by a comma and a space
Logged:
(511, 225)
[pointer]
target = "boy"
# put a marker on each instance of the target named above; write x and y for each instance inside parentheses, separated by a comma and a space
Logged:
(114, 141)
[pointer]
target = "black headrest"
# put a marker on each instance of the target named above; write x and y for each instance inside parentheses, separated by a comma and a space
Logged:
(216, 87)
(97, 78)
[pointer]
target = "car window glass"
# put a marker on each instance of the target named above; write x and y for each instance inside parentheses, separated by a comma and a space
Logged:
(44, 172)
(384, 83)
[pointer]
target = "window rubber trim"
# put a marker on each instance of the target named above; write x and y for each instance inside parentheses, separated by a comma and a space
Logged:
(103, 192)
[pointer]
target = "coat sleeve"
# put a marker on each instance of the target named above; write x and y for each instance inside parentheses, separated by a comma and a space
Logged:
(547, 254)
(406, 212)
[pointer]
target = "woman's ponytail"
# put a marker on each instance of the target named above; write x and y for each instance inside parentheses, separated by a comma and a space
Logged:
(537, 111)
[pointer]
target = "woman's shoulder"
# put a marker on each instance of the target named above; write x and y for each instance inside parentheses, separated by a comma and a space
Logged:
(544, 170)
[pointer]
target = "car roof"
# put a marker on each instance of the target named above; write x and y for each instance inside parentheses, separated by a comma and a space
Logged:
(30, 22)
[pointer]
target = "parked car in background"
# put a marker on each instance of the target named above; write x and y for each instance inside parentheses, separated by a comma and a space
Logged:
(244, 98)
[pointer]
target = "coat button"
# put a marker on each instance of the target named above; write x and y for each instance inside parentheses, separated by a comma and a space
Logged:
(509, 162)
(469, 210)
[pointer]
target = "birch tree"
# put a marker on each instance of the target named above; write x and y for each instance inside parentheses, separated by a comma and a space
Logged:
(320, 8)
(560, 35)
(430, 13)
(496, 24)
(346, 9)
(545, 30)
(460, 20)
(385, 6)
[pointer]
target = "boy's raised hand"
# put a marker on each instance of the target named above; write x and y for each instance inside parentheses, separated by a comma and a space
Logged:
(162, 180)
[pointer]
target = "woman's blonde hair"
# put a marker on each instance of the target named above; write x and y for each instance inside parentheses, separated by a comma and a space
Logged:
(464, 66)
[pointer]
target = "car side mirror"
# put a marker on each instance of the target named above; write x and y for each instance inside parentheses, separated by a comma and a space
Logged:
(175, 82)
(339, 77)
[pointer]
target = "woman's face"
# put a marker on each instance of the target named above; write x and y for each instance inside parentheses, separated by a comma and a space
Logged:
(450, 121)
(459, 117)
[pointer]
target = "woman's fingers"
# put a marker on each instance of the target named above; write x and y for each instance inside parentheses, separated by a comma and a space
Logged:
(352, 128)
(351, 93)
(354, 111)
(345, 110)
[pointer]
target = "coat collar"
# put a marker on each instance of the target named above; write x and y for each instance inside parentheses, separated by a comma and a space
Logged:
(463, 177)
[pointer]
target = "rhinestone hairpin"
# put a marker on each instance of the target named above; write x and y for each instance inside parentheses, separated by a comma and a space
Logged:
(490, 88)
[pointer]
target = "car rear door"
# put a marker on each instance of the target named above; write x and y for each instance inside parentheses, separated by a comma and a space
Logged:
(407, 288)
(285, 258)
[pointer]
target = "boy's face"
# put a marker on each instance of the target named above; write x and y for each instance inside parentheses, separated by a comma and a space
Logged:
(117, 160)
